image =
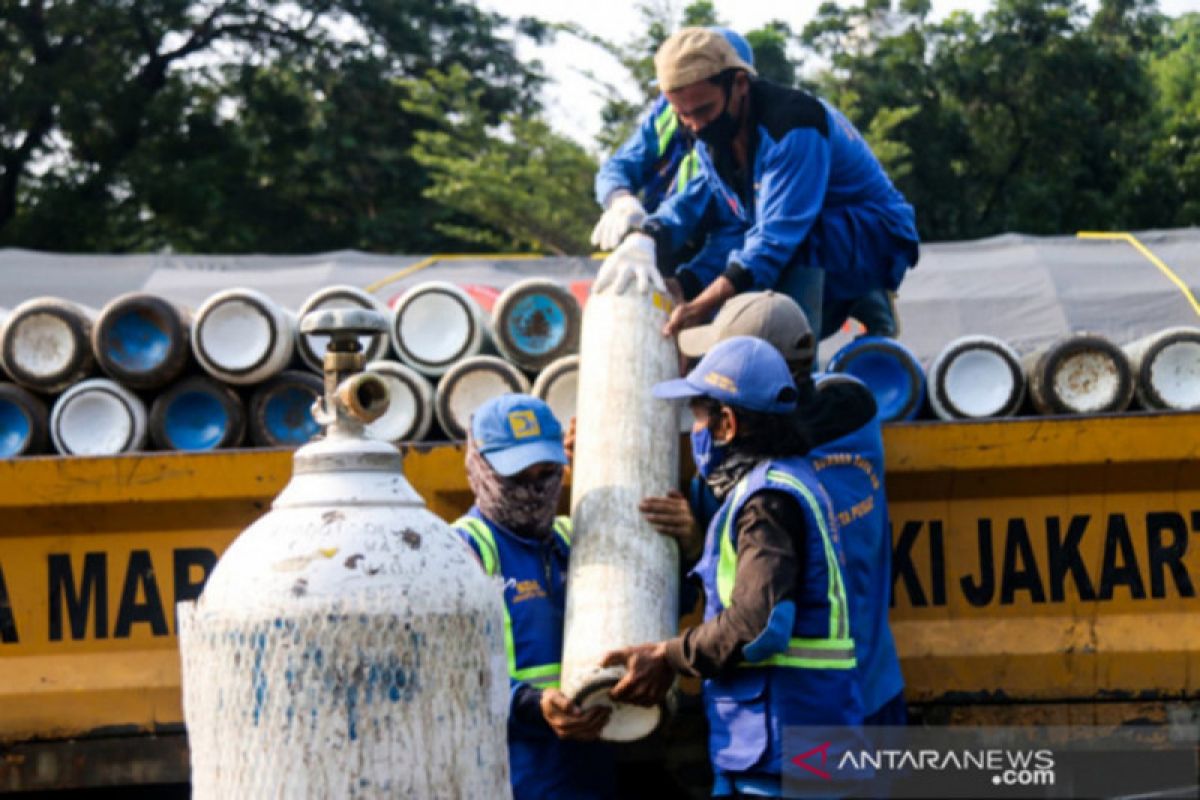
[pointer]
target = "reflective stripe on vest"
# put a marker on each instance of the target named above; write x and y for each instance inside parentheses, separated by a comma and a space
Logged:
(688, 169)
(833, 652)
(665, 125)
(541, 676)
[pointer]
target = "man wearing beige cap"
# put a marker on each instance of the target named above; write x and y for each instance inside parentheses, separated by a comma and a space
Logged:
(787, 171)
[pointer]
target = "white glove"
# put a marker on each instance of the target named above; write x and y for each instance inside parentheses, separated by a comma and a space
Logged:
(634, 261)
(624, 213)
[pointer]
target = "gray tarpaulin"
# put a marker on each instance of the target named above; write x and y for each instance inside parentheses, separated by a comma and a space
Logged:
(1028, 290)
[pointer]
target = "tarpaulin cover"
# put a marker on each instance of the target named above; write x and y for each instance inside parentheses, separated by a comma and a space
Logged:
(1027, 290)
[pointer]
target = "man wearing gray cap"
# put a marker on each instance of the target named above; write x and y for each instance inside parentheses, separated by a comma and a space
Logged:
(788, 171)
(847, 455)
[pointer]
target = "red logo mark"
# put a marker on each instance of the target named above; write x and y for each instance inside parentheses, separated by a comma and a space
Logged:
(802, 759)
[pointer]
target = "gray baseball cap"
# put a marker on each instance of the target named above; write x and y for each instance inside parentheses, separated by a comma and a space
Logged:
(774, 317)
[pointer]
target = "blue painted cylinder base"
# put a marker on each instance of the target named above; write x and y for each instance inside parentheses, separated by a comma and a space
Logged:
(197, 414)
(23, 422)
(280, 413)
(890, 371)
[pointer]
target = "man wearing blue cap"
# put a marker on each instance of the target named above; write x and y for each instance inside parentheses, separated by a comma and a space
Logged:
(775, 645)
(515, 461)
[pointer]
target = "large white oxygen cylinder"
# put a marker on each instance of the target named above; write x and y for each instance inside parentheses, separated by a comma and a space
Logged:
(347, 643)
(558, 386)
(243, 337)
(409, 415)
(1166, 369)
(1083, 373)
(436, 325)
(98, 417)
(312, 348)
(976, 377)
(468, 385)
(623, 584)
(45, 345)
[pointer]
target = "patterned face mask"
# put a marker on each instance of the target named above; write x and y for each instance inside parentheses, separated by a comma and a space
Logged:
(525, 507)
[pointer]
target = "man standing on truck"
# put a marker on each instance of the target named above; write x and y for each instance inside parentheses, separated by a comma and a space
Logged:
(775, 645)
(514, 462)
(792, 176)
(843, 425)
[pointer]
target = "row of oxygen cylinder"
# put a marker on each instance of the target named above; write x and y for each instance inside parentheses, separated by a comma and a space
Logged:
(983, 377)
(144, 372)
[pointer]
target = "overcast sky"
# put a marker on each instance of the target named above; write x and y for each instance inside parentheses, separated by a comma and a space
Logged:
(572, 101)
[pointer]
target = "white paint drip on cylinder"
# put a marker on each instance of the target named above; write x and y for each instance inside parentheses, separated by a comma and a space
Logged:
(976, 377)
(98, 417)
(311, 347)
(409, 413)
(558, 385)
(242, 336)
(1166, 366)
(470, 384)
(623, 584)
(437, 324)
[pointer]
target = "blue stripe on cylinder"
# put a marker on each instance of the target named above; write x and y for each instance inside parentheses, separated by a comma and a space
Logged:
(136, 341)
(15, 429)
(536, 324)
(195, 421)
(287, 415)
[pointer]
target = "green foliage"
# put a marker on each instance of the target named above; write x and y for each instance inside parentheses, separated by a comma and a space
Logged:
(530, 187)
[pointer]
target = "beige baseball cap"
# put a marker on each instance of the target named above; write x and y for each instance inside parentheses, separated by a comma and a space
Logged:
(692, 55)
(774, 317)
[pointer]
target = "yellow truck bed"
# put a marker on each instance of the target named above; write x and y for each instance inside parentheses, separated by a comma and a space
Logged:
(1043, 572)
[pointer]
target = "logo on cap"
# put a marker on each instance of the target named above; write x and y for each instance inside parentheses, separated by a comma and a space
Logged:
(721, 382)
(524, 425)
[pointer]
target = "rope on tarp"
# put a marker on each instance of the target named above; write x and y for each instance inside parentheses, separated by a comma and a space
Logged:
(1153, 259)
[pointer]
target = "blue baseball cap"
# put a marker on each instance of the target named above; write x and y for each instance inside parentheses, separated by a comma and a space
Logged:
(516, 431)
(741, 371)
(744, 50)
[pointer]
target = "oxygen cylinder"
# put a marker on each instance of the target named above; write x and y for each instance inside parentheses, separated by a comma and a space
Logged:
(890, 371)
(623, 584)
(346, 644)
(1166, 368)
(436, 325)
(141, 340)
(23, 422)
(243, 337)
(1083, 373)
(197, 414)
(312, 348)
(409, 414)
(280, 410)
(98, 417)
(558, 385)
(469, 384)
(534, 322)
(976, 377)
(46, 344)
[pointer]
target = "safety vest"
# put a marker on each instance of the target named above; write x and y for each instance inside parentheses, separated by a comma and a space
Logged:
(801, 669)
(534, 594)
(851, 470)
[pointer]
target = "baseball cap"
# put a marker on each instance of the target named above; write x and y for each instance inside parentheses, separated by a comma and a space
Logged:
(742, 371)
(774, 317)
(691, 55)
(516, 431)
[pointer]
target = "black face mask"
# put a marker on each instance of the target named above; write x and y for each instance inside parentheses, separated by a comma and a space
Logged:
(719, 133)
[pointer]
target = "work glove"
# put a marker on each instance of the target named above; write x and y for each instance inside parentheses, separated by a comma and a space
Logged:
(624, 214)
(633, 263)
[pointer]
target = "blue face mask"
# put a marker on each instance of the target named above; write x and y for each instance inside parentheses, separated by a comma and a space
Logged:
(706, 453)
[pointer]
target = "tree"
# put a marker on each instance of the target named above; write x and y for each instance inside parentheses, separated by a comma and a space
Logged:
(530, 186)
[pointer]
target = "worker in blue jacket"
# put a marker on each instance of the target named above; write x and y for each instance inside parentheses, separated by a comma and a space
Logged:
(786, 170)
(843, 425)
(654, 163)
(775, 647)
(514, 464)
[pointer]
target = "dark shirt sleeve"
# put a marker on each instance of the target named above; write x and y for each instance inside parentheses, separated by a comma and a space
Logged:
(769, 525)
(526, 710)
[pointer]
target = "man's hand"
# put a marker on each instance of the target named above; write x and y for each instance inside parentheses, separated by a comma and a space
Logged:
(672, 516)
(701, 308)
(624, 213)
(648, 674)
(568, 721)
(633, 263)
